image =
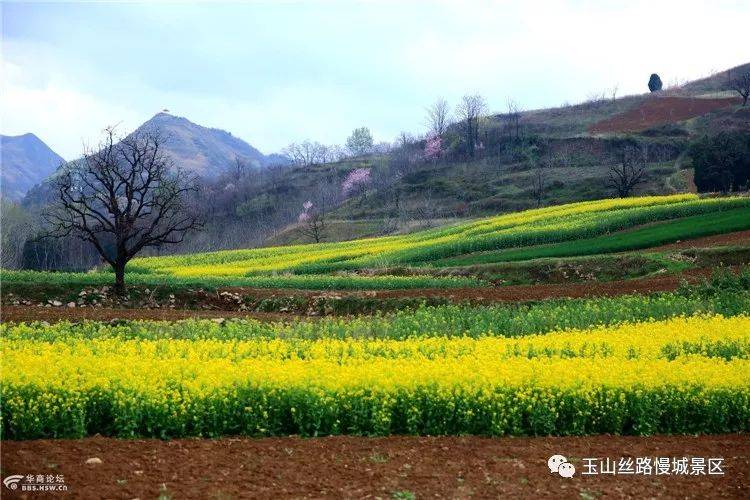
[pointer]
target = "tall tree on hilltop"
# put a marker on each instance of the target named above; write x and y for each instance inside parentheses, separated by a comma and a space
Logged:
(360, 142)
(654, 83)
(469, 111)
(438, 115)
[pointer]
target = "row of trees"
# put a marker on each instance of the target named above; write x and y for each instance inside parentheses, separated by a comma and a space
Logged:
(463, 122)
(307, 153)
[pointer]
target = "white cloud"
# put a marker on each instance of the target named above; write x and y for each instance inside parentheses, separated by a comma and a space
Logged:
(63, 117)
(317, 72)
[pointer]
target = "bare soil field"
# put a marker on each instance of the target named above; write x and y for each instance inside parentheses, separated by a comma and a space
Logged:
(361, 467)
(660, 111)
(55, 314)
(738, 238)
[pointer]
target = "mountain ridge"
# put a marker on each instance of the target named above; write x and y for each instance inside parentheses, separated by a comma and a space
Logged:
(205, 151)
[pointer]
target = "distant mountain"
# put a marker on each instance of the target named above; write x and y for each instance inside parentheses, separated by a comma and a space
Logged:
(202, 150)
(25, 160)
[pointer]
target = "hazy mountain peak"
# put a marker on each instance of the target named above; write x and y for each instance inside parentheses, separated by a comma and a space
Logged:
(202, 150)
(25, 160)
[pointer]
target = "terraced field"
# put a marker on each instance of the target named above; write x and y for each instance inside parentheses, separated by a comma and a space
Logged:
(524, 230)
(440, 345)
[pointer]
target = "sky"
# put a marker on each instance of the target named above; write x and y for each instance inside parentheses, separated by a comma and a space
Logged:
(273, 72)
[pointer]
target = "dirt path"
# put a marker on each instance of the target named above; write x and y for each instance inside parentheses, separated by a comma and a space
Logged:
(355, 467)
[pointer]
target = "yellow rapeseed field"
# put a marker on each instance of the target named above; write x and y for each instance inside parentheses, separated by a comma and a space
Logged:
(685, 374)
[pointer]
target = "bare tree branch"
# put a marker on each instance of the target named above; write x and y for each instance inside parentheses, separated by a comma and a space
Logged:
(124, 196)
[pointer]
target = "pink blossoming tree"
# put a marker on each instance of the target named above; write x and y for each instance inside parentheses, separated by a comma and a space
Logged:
(355, 180)
(312, 221)
(433, 148)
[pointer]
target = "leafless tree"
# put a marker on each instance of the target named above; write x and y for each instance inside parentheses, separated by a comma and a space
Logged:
(426, 209)
(239, 169)
(438, 115)
(469, 111)
(337, 153)
(514, 117)
(613, 91)
(307, 153)
(382, 148)
(405, 140)
(16, 227)
(121, 198)
(741, 85)
(539, 184)
(313, 226)
(630, 171)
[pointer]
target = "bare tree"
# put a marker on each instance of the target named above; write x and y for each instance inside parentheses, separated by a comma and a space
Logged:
(405, 140)
(438, 116)
(613, 91)
(314, 226)
(307, 153)
(630, 171)
(539, 184)
(469, 111)
(514, 117)
(741, 85)
(122, 198)
(239, 169)
(16, 227)
(337, 153)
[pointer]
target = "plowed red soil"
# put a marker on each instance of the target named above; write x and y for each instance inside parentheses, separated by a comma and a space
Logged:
(55, 314)
(740, 238)
(660, 111)
(356, 467)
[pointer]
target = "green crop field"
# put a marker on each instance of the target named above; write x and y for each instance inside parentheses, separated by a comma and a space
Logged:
(523, 229)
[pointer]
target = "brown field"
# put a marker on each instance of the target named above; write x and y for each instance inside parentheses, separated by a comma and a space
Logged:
(361, 467)
(660, 111)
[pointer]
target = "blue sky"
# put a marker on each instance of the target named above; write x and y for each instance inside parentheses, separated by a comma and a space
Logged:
(276, 72)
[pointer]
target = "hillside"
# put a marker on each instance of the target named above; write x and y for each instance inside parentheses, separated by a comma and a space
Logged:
(204, 151)
(673, 105)
(25, 161)
(554, 156)
(574, 146)
(516, 236)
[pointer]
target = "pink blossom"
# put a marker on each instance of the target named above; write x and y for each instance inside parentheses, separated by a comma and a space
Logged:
(354, 179)
(304, 216)
(433, 148)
